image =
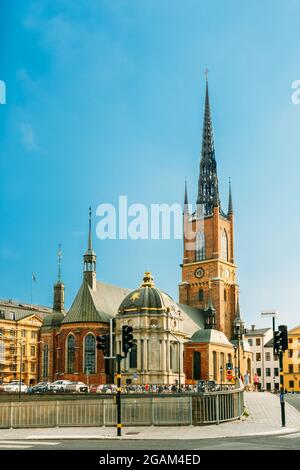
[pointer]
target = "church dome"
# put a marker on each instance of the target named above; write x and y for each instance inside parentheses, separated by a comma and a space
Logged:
(210, 336)
(147, 299)
(53, 319)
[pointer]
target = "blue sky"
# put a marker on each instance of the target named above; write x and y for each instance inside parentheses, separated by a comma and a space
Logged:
(105, 98)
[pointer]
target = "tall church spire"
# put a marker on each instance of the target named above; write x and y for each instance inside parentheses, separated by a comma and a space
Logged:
(59, 288)
(89, 259)
(186, 201)
(208, 192)
(230, 205)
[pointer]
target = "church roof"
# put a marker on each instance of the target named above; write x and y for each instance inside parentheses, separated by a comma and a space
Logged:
(53, 319)
(210, 336)
(147, 299)
(99, 305)
(193, 319)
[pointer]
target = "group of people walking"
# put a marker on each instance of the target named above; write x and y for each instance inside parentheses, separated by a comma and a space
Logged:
(247, 382)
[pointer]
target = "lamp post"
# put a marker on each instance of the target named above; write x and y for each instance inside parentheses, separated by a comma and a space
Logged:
(272, 314)
(235, 370)
(221, 375)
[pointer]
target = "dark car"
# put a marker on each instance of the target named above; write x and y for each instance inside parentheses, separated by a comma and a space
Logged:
(41, 387)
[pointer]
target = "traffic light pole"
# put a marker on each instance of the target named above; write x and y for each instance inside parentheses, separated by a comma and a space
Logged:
(282, 402)
(119, 424)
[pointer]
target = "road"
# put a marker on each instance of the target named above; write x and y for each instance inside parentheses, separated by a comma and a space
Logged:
(284, 442)
(293, 399)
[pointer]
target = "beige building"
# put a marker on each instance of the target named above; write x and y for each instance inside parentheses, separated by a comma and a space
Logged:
(19, 340)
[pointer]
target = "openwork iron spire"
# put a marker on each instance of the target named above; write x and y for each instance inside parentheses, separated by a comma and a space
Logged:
(59, 258)
(230, 205)
(208, 192)
(90, 230)
(186, 201)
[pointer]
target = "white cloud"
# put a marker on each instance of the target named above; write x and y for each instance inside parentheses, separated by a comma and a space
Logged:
(28, 137)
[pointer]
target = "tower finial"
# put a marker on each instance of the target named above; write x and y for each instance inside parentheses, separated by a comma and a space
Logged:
(90, 229)
(186, 202)
(206, 74)
(59, 258)
(230, 205)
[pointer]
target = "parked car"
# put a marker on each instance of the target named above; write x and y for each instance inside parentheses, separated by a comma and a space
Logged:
(41, 387)
(15, 386)
(59, 385)
(76, 387)
(94, 388)
(211, 385)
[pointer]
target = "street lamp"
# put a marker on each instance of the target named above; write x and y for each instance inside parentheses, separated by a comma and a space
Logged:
(273, 314)
(221, 375)
(235, 369)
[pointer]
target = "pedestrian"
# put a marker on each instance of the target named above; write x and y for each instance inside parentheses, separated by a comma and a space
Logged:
(256, 382)
(246, 380)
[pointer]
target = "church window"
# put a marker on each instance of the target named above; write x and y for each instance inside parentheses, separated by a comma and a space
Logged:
(45, 360)
(200, 246)
(70, 354)
(133, 357)
(197, 366)
(224, 245)
(201, 295)
(89, 354)
(214, 365)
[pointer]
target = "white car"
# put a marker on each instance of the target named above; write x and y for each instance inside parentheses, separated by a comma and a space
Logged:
(14, 387)
(76, 387)
(59, 385)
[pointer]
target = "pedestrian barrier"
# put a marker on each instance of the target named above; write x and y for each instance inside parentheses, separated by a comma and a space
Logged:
(145, 410)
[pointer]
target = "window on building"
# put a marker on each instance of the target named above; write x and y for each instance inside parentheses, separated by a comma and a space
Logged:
(268, 356)
(276, 386)
(32, 350)
(291, 384)
(171, 355)
(196, 365)
(70, 354)
(200, 246)
(225, 295)
(257, 341)
(32, 367)
(2, 314)
(298, 352)
(290, 340)
(268, 386)
(23, 350)
(133, 357)
(33, 334)
(258, 371)
(224, 245)
(90, 354)
(291, 369)
(276, 372)
(250, 341)
(12, 333)
(201, 295)
(290, 353)
(258, 357)
(23, 367)
(215, 375)
(268, 372)
(23, 333)
(45, 360)
(299, 368)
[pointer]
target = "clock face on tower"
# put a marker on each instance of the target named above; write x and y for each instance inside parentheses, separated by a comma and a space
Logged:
(199, 272)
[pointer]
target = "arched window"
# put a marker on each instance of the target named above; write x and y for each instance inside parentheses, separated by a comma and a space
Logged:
(201, 295)
(225, 295)
(89, 354)
(224, 245)
(200, 246)
(215, 365)
(70, 354)
(133, 357)
(197, 365)
(45, 360)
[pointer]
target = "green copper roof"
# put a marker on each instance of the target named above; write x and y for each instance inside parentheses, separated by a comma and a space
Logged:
(210, 336)
(99, 305)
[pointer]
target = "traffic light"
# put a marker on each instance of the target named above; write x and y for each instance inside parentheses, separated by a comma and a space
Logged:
(284, 337)
(103, 344)
(127, 338)
(280, 339)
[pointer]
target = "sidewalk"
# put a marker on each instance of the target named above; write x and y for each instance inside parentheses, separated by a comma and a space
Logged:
(264, 419)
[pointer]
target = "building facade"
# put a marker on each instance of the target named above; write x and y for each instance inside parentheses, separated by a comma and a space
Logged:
(291, 361)
(265, 364)
(19, 335)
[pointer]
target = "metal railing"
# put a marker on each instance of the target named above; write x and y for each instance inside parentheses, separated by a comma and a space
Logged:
(144, 410)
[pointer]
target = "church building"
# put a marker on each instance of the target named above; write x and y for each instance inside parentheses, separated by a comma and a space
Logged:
(197, 338)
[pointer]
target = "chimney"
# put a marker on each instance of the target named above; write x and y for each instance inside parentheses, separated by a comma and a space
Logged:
(252, 327)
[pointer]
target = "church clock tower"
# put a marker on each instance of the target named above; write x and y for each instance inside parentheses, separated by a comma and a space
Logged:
(208, 268)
